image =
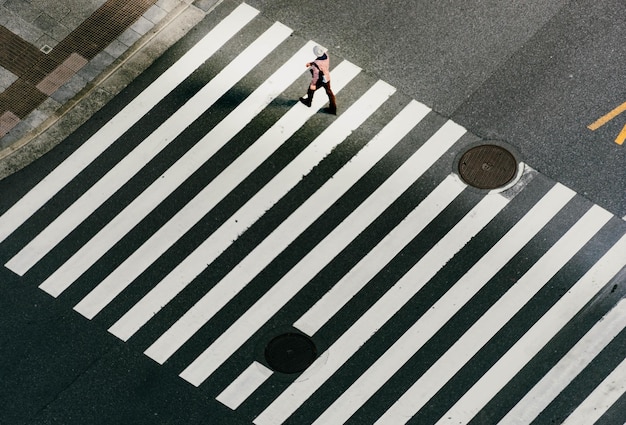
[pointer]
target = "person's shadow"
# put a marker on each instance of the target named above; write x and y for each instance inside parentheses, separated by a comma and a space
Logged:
(288, 103)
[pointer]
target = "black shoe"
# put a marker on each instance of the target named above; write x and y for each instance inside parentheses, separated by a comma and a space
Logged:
(332, 111)
(305, 101)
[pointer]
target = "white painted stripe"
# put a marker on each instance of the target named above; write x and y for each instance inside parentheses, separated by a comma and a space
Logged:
(512, 362)
(202, 151)
(464, 289)
(507, 306)
(292, 282)
(125, 119)
(263, 200)
(191, 213)
(356, 279)
(146, 151)
(601, 399)
(572, 364)
(471, 282)
(285, 289)
(306, 214)
(245, 384)
(374, 318)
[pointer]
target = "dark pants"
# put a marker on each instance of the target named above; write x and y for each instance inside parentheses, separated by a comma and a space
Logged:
(329, 93)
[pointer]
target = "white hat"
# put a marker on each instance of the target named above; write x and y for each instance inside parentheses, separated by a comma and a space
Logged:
(318, 51)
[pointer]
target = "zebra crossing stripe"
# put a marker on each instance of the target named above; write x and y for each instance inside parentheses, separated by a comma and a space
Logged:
(248, 214)
(376, 259)
(512, 362)
(294, 225)
(379, 256)
(124, 120)
(382, 311)
(601, 399)
(544, 329)
(275, 298)
(570, 365)
(210, 144)
(482, 271)
(475, 279)
(509, 364)
(242, 387)
(382, 369)
(191, 213)
(453, 301)
(298, 276)
(141, 155)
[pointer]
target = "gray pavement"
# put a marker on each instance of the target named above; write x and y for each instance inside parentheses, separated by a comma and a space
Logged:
(65, 369)
(531, 73)
(71, 96)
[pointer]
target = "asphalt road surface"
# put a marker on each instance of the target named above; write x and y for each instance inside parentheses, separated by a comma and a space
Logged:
(532, 73)
(205, 215)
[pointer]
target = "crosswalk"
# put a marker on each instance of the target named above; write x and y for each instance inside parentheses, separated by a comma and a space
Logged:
(429, 301)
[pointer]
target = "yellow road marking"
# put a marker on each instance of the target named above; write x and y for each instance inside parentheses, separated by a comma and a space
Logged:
(621, 137)
(608, 117)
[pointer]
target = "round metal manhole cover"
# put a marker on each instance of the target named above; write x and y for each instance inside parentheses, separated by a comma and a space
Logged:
(290, 353)
(487, 167)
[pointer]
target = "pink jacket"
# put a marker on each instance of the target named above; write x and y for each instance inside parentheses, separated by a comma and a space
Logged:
(323, 65)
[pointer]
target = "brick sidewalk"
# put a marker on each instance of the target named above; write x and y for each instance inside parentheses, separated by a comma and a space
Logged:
(52, 52)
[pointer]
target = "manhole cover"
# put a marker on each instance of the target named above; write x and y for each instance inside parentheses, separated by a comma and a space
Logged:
(290, 353)
(487, 167)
